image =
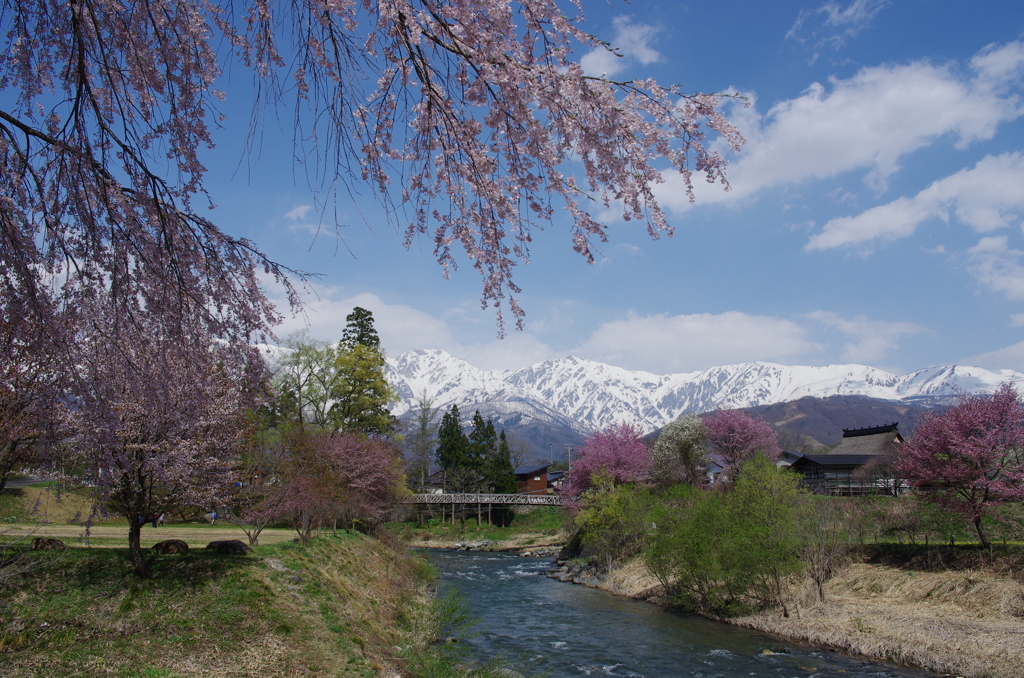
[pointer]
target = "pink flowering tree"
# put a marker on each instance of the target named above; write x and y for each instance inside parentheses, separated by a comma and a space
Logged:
(618, 453)
(341, 476)
(735, 436)
(370, 472)
(462, 115)
(971, 457)
(158, 416)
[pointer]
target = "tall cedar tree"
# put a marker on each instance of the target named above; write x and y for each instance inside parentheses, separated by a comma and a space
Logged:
(359, 330)
(482, 440)
(499, 473)
(452, 443)
(360, 390)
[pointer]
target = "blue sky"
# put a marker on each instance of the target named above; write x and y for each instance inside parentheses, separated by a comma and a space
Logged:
(875, 215)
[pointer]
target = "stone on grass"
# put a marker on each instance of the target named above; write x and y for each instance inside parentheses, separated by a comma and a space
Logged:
(170, 546)
(230, 547)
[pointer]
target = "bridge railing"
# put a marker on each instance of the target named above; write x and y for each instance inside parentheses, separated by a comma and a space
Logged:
(481, 498)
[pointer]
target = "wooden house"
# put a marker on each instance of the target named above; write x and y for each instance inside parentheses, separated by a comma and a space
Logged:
(862, 463)
(532, 479)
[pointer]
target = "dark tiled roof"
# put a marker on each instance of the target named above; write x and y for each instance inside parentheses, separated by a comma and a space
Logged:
(531, 470)
(869, 430)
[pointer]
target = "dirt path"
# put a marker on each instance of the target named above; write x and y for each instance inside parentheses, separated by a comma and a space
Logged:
(194, 535)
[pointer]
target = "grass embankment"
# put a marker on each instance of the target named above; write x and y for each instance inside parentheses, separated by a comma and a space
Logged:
(951, 610)
(541, 527)
(339, 606)
(345, 606)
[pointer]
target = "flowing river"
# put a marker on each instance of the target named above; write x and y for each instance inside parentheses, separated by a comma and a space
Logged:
(543, 627)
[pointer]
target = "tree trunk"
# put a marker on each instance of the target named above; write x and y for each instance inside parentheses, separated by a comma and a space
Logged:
(139, 562)
(981, 533)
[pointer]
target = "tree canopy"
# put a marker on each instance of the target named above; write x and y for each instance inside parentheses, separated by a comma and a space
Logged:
(619, 452)
(971, 457)
(461, 115)
(735, 437)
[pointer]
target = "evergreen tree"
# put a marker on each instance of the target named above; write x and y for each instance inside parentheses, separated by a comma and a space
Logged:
(452, 443)
(360, 330)
(498, 472)
(360, 390)
(482, 441)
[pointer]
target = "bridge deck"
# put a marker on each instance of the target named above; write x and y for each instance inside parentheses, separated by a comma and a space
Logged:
(480, 498)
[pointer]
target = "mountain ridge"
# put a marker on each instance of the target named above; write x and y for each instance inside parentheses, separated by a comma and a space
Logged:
(587, 395)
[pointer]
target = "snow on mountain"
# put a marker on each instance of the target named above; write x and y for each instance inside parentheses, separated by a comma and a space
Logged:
(586, 396)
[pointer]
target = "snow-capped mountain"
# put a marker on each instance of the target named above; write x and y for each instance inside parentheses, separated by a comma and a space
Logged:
(585, 396)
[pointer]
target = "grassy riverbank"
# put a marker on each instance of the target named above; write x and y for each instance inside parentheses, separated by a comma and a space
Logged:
(958, 611)
(344, 606)
(541, 527)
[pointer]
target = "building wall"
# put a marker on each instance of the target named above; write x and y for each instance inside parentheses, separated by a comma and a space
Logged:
(535, 484)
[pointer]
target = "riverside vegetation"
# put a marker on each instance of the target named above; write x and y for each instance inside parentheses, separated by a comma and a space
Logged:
(887, 577)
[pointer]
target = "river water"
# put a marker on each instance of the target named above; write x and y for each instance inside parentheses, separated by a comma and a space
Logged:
(542, 627)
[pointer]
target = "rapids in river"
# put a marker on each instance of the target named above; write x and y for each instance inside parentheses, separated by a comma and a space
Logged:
(542, 627)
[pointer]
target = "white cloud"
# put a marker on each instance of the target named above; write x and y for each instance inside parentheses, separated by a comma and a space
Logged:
(986, 197)
(872, 339)
(663, 343)
(297, 220)
(1008, 358)
(832, 24)
(867, 122)
(631, 41)
(404, 328)
(998, 267)
(298, 213)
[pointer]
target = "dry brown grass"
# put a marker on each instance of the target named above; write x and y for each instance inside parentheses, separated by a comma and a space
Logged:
(968, 623)
(46, 505)
(632, 579)
(964, 622)
(520, 541)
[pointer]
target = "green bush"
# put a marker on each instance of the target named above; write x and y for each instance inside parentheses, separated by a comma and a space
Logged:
(723, 553)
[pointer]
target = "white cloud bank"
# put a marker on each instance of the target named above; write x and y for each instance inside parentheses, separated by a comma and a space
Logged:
(873, 339)
(986, 197)
(869, 121)
(684, 343)
(1008, 358)
(659, 343)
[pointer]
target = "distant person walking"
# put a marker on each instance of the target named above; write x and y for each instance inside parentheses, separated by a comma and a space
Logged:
(213, 517)
(160, 520)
